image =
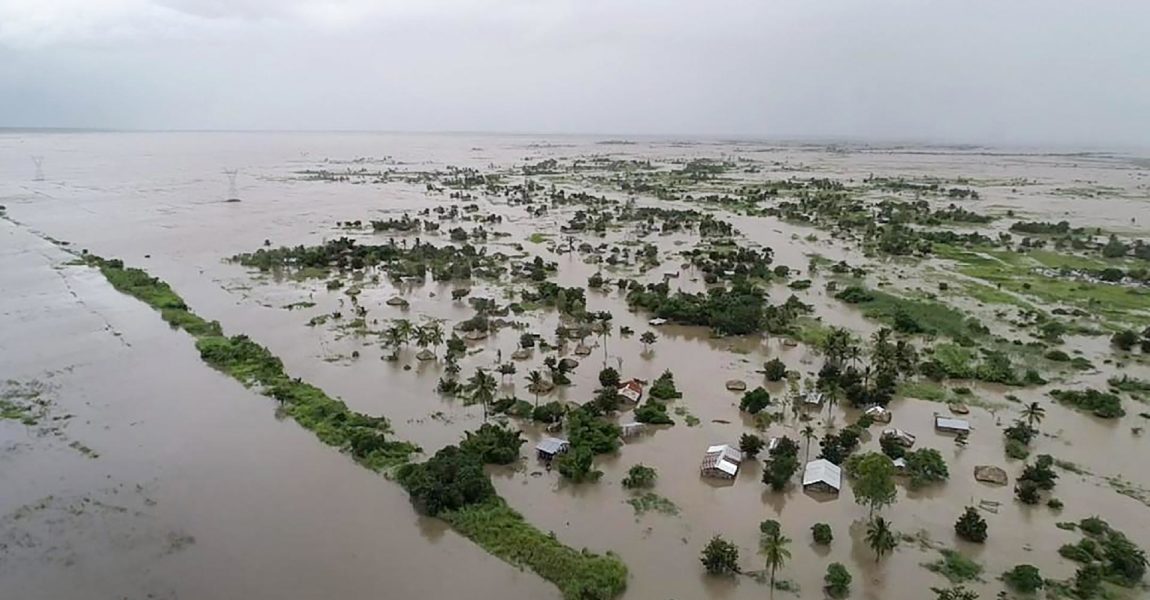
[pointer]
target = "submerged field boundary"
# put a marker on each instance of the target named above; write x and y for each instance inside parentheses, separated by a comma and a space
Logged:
(494, 526)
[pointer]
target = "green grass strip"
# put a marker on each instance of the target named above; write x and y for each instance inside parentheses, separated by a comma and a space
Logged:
(580, 575)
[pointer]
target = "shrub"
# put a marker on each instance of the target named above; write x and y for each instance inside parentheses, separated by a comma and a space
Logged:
(1124, 340)
(1088, 580)
(1102, 404)
(926, 466)
(1125, 561)
(640, 476)
(971, 526)
(821, 532)
(576, 464)
(720, 557)
(1027, 492)
(855, 295)
(891, 447)
(664, 387)
(653, 412)
(550, 412)
(755, 400)
(955, 567)
(1024, 578)
(609, 378)
(1040, 473)
(1094, 525)
(493, 444)
(1016, 449)
(751, 444)
(775, 370)
(449, 480)
(838, 580)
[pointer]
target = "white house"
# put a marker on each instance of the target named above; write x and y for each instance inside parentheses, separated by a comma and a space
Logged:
(822, 475)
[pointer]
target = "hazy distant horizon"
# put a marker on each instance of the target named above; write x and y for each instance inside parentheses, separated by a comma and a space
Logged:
(814, 140)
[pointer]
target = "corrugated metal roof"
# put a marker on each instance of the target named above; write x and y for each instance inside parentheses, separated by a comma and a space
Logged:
(551, 445)
(948, 423)
(723, 457)
(823, 471)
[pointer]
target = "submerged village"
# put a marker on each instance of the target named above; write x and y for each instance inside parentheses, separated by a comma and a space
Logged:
(682, 370)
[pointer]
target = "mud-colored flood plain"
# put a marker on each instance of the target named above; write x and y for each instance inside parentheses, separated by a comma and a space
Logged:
(146, 474)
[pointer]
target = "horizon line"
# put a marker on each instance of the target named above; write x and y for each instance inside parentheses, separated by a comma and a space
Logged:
(823, 139)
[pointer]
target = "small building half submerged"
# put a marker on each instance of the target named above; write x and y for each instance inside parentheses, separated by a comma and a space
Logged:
(822, 475)
(631, 391)
(721, 461)
(949, 425)
(548, 448)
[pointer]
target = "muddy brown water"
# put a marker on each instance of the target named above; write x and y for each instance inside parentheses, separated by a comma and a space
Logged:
(198, 491)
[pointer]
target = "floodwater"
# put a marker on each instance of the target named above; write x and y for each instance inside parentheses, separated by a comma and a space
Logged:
(193, 489)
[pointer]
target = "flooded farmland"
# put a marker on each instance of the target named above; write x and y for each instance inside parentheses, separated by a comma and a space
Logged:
(132, 468)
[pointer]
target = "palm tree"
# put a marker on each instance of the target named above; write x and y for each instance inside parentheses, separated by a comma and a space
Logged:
(906, 357)
(393, 338)
(880, 538)
(481, 389)
(604, 334)
(506, 369)
(808, 435)
(1033, 414)
(422, 337)
(882, 351)
(833, 393)
(535, 381)
(775, 552)
(854, 353)
(836, 345)
(552, 364)
(434, 333)
(404, 329)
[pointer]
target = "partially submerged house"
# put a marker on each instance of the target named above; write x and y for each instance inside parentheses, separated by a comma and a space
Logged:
(631, 429)
(721, 461)
(548, 448)
(813, 398)
(904, 439)
(879, 413)
(822, 475)
(631, 391)
(949, 425)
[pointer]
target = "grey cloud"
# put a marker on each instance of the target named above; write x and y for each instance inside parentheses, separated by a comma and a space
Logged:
(979, 71)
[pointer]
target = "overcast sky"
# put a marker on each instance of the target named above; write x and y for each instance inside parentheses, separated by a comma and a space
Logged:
(995, 71)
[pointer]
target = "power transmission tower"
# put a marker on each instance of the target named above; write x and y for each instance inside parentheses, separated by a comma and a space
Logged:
(232, 193)
(39, 160)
